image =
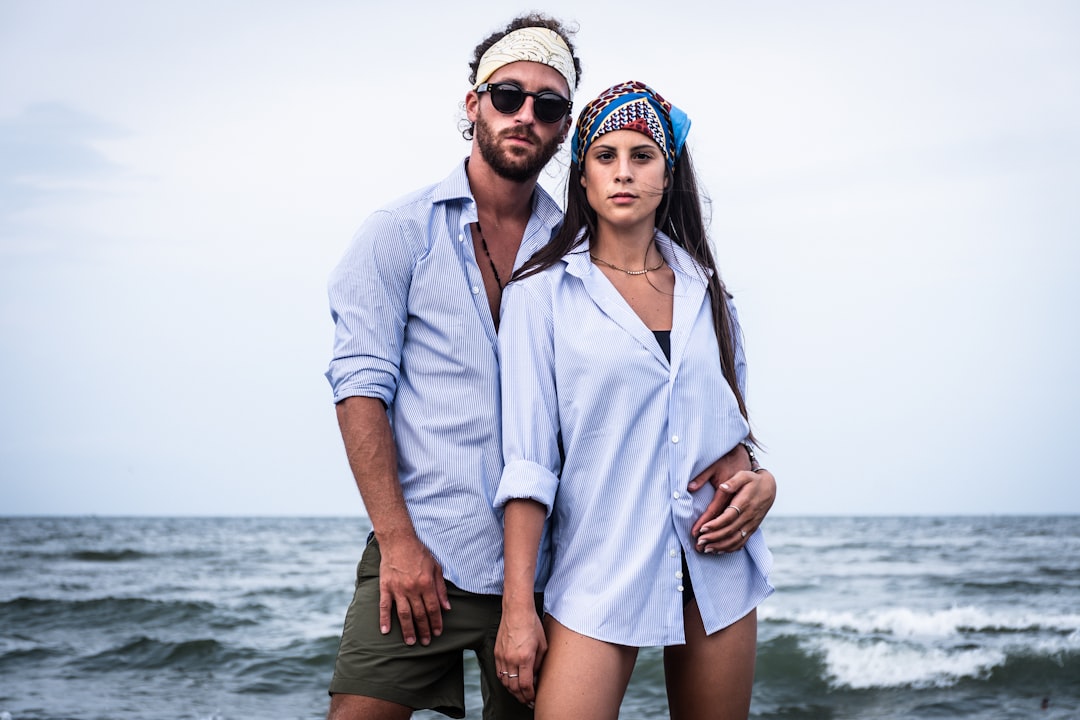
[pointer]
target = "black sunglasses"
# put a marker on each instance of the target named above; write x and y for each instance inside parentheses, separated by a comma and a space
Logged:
(508, 98)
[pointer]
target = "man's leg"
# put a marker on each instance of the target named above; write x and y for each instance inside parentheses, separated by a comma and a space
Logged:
(358, 707)
(379, 676)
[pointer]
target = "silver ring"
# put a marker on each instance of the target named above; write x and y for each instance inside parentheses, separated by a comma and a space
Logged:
(511, 676)
(505, 672)
(743, 533)
(735, 508)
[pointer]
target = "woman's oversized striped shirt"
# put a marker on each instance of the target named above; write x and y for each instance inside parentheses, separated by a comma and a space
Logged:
(582, 376)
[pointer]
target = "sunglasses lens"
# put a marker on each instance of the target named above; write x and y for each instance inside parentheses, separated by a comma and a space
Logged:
(549, 107)
(507, 98)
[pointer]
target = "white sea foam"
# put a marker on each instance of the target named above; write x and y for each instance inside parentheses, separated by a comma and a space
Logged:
(878, 664)
(904, 622)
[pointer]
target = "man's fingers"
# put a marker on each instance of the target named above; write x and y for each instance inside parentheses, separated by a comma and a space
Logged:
(386, 605)
(420, 621)
(713, 511)
(405, 618)
(433, 614)
(700, 481)
(440, 588)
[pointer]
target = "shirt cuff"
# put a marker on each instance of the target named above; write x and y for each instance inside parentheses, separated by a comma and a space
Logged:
(526, 480)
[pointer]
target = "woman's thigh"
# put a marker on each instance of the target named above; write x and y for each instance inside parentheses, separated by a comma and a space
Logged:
(581, 677)
(712, 676)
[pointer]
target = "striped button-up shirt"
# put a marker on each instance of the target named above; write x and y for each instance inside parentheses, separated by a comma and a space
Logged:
(584, 377)
(414, 329)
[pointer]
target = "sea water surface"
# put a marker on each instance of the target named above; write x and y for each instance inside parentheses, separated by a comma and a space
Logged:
(230, 618)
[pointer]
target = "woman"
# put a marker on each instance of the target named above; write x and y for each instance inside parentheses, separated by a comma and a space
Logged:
(623, 378)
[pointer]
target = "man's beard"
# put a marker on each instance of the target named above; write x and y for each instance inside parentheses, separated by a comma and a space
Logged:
(516, 166)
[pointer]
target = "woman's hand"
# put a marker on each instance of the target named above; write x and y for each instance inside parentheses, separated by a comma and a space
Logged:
(519, 650)
(740, 504)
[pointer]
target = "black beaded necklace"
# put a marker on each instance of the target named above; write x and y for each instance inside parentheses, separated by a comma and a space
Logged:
(484, 247)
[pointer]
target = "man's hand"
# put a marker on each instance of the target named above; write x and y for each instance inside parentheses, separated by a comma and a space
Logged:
(742, 500)
(411, 580)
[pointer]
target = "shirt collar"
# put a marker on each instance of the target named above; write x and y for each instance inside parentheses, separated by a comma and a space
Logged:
(455, 188)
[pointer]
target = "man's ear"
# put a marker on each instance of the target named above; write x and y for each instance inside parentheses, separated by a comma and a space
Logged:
(567, 124)
(472, 105)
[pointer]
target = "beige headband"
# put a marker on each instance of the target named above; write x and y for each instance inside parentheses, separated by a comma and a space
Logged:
(532, 44)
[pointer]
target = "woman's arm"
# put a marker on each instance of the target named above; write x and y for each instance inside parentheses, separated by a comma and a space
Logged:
(521, 643)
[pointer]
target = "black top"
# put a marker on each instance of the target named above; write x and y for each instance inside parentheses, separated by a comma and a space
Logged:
(664, 338)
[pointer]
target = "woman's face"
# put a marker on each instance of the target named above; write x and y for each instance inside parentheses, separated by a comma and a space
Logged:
(624, 179)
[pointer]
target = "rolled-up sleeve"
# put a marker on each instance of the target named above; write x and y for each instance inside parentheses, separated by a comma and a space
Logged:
(368, 293)
(530, 413)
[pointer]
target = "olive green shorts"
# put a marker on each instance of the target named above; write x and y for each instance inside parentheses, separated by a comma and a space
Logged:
(432, 677)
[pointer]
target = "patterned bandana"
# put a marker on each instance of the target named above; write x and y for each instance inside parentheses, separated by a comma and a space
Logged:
(532, 44)
(631, 106)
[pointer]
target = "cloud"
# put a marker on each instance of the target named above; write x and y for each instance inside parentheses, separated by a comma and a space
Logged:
(47, 155)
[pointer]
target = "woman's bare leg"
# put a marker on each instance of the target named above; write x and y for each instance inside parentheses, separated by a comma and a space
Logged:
(712, 676)
(581, 677)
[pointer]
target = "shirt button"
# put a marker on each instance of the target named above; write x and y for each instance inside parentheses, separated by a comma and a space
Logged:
(674, 438)
(461, 237)
(679, 574)
(671, 553)
(680, 588)
(675, 494)
(475, 290)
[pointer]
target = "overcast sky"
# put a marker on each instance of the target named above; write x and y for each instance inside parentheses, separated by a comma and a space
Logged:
(894, 194)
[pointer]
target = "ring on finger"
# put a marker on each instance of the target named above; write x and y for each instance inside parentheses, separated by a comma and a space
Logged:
(735, 508)
(743, 533)
(508, 675)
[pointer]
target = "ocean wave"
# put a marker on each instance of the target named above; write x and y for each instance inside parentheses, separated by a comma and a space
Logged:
(15, 659)
(1007, 587)
(806, 666)
(108, 555)
(99, 612)
(147, 653)
(906, 622)
(882, 664)
(877, 664)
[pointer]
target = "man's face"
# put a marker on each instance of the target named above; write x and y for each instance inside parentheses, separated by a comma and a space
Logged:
(517, 145)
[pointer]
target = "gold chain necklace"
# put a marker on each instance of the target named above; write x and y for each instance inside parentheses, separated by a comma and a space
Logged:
(624, 270)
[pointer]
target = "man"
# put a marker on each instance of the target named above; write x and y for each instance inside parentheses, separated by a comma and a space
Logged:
(415, 375)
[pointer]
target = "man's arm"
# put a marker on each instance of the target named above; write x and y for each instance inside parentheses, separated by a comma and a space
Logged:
(722, 528)
(409, 576)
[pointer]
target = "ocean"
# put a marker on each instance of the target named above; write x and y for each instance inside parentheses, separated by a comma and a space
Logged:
(230, 618)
